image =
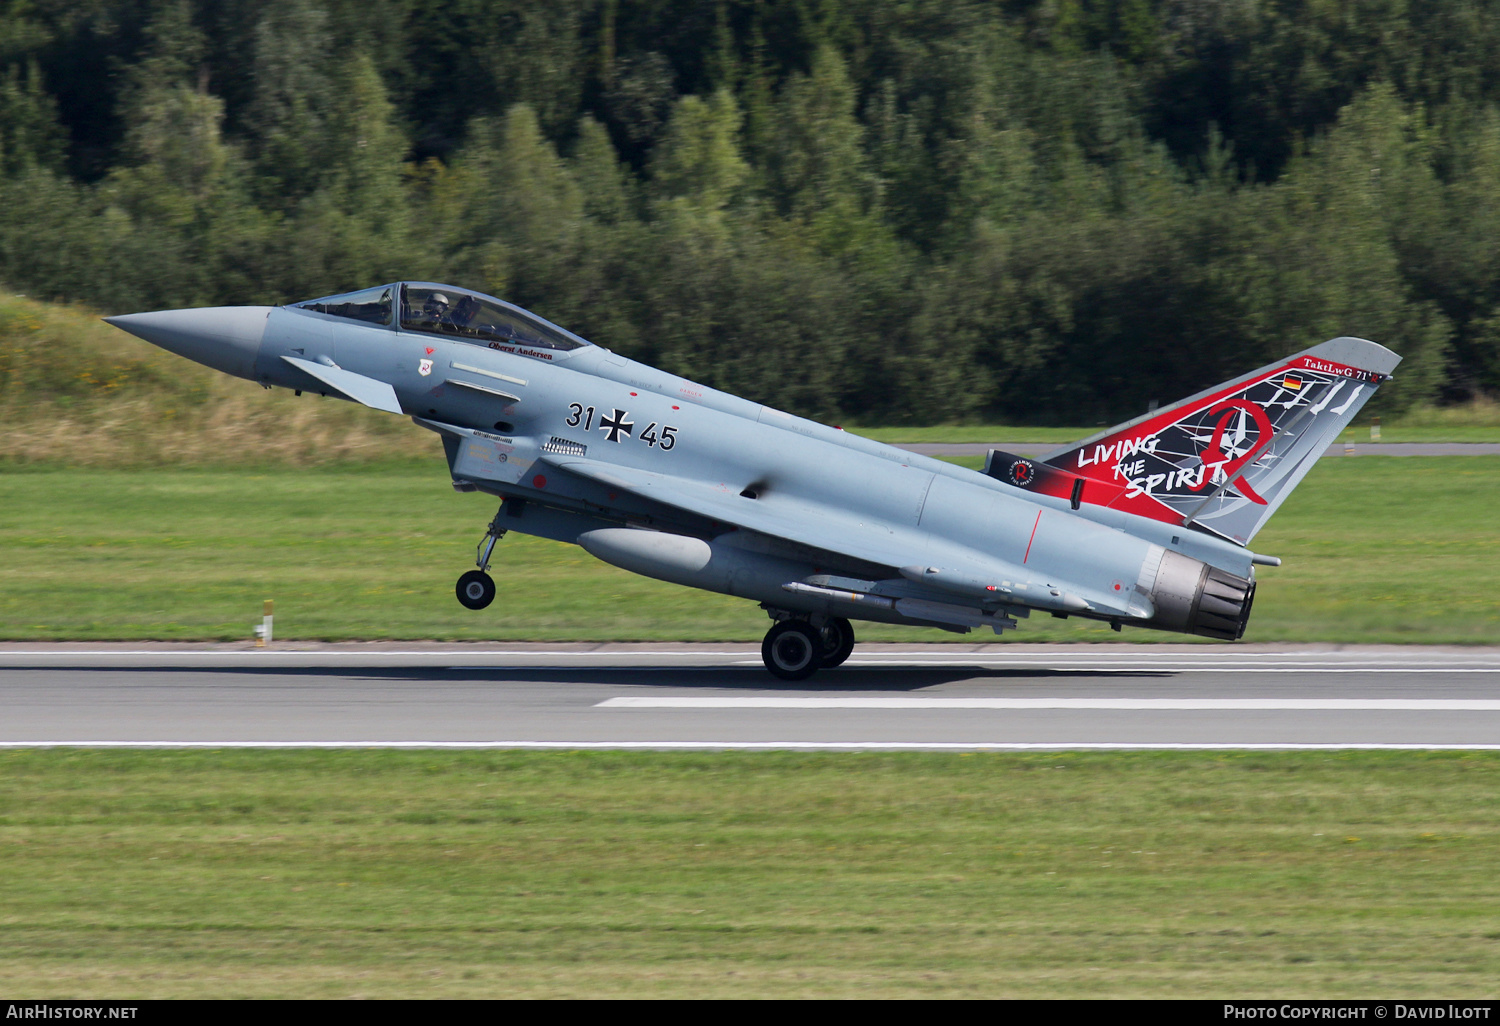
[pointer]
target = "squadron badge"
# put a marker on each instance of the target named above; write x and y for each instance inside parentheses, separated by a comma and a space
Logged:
(424, 368)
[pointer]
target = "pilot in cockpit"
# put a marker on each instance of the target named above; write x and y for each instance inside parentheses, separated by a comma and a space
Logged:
(435, 313)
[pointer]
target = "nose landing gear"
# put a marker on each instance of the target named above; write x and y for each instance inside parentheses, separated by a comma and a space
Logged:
(476, 589)
(795, 649)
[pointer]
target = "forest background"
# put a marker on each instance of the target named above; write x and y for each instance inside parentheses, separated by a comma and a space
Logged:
(886, 211)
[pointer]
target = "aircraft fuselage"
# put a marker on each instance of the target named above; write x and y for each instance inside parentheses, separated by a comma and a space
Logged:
(672, 479)
(510, 405)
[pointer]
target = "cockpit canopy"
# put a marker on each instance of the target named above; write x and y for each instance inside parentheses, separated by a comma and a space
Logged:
(371, 305)
(445, 310)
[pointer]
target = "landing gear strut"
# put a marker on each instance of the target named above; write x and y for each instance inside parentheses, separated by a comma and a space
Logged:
(476, 589)
(795, 649)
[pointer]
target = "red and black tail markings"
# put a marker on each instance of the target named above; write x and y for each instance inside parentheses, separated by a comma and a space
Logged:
(1223, 459)
(1218, 462)
(1045, 479)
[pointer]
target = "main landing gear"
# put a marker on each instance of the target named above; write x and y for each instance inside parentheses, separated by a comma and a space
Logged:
(476, 589)
(795, 649)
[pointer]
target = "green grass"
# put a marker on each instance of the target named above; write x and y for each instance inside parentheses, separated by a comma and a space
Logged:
(1476, 421)
(1421, 433)
(1375, 549)
(504, 874)
(77, 392)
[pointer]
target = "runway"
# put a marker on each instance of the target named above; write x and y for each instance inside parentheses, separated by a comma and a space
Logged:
(970, 697)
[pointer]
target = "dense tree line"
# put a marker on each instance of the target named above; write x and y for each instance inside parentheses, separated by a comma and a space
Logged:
(890, 210)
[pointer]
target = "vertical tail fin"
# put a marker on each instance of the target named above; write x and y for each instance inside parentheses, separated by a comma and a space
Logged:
(1225, 459)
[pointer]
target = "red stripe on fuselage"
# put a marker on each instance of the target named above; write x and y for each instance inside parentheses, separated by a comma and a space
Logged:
(1033, 536)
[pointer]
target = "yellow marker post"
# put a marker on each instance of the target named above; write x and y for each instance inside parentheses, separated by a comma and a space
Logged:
(263, 631)
(1375, 430)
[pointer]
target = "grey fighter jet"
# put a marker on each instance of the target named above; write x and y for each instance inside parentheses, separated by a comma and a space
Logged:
(1146, 524)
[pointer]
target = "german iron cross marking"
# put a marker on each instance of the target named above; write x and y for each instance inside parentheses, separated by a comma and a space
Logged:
(617, 426)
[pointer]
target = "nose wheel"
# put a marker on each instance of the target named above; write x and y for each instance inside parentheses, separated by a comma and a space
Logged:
(475, 589)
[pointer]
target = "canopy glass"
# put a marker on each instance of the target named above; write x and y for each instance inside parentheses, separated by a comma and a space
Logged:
(445, 310)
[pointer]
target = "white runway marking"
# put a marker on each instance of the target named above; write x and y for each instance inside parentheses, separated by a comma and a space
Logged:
(741, 659)
(328, 653)
(1219, 659)
(1148, 668)
(895, 746)
(1156, 704)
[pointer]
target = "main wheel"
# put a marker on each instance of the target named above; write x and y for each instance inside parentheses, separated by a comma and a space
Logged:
(793, 649)
(475, 589)
(838, 642)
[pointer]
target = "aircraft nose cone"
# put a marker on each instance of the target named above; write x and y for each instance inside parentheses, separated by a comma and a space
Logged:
(226, 338)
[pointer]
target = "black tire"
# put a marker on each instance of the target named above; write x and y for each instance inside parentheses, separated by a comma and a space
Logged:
(793, 650)
(475, 589)
(838, 642)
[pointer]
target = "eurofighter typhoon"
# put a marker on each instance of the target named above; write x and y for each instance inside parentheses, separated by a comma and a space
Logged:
(1147, 524)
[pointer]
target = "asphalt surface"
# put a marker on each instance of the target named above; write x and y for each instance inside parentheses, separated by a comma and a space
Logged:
(1337, 449)
(956, 696)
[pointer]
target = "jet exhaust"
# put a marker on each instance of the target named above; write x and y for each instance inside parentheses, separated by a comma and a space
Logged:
(1194, 598)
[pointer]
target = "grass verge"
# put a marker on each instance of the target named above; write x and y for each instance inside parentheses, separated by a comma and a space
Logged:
(505, 874)
(1375, 549)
